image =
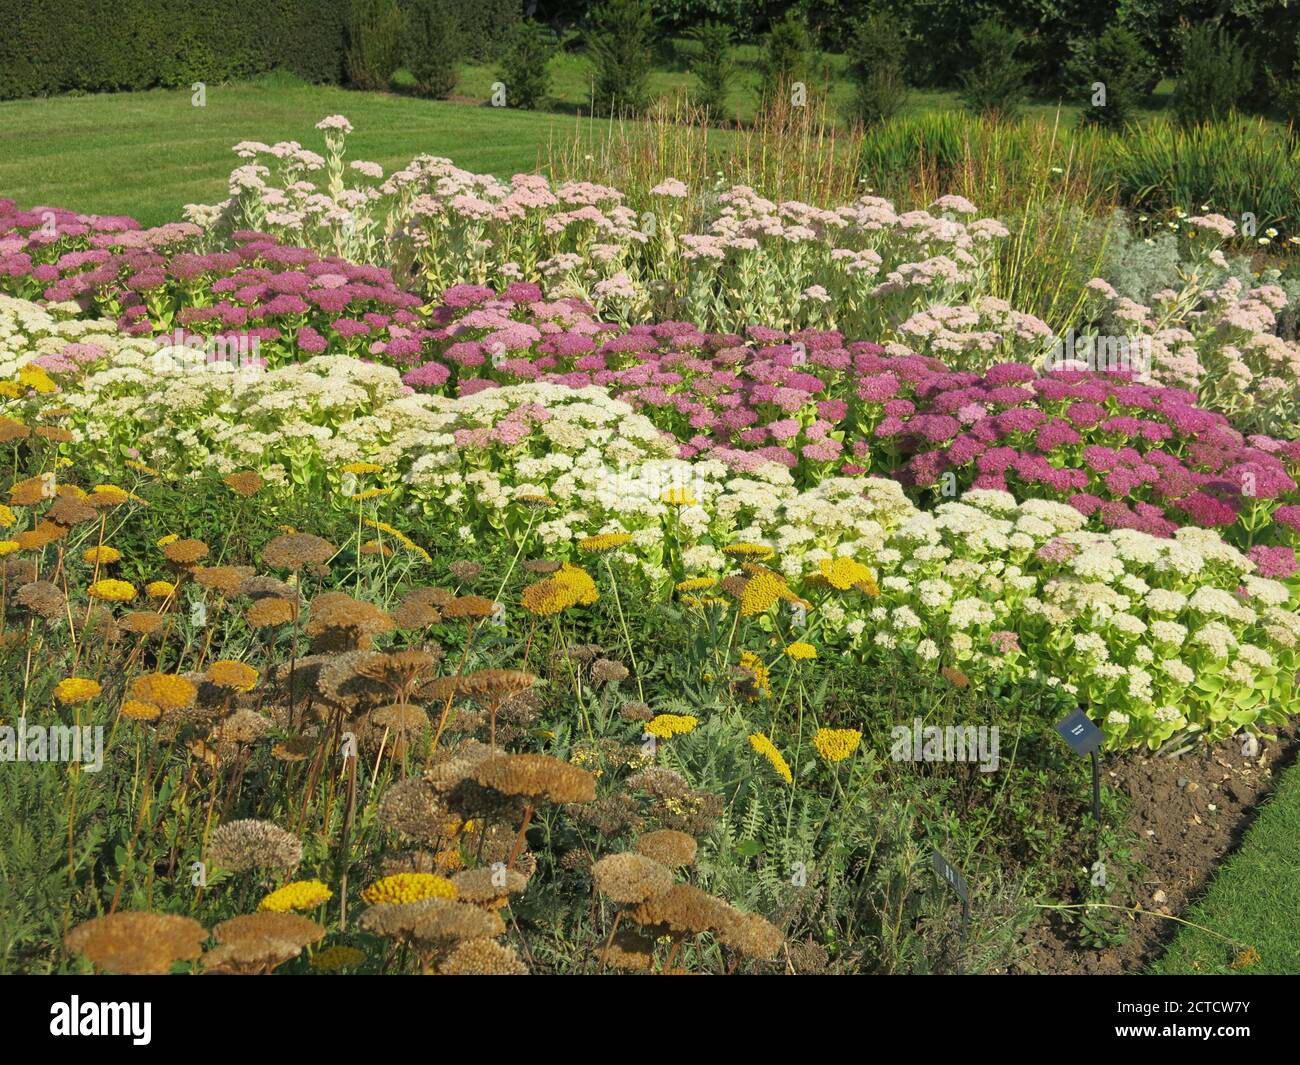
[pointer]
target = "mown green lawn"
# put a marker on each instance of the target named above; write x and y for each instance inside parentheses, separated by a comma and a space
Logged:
(148, 154)
(1254, 900)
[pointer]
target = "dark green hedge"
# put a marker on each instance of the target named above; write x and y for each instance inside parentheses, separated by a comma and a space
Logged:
(52, 46)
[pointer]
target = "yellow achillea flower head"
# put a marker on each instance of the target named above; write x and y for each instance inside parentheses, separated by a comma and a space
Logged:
(399, 536)
(666, 726)
(746, 550)
(569, 586)
(36, 379)
(76, 690)
(170, 538)
(237, 676)
(299, 895)
(8, 519)
(845, 573)
(102, 555)
(762, 590)
(836, 744)
(679, 497)
(603, 542)
(800, 651)
(140, 711)
(768, 750)
(370, 493)
(696, 584)
(337, 957)
(165, 690)
(112, 494)
(762, 675)
(409, 887)
(8, 547)
(159, 589)
(112, 591)
(363, 467)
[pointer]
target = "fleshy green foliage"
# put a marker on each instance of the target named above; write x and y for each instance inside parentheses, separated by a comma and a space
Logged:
(54, 46)
(432, 47)
(524, 65)
(620, 44)
(1216, 73)
(375, 32)
(876, 66)
(994, 81)
(714, 67)
(1124, 68)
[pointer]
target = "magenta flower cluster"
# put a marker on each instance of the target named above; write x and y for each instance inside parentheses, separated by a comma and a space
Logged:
(1126, 454)
(293, 301)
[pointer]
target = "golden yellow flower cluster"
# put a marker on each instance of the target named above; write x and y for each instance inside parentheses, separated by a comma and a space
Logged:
(569, 586)
(679, 497)
(299, 895)
(801, 651)
(696, 584)
(101, 555)
(666, 726)
(165, 690)
(400, 537)
(762, 675)
(845, 573)
(768, 750)
(603, 542)
(409, 887)
(112, 591)
(72, 690)
(836, 744)
(747, 550)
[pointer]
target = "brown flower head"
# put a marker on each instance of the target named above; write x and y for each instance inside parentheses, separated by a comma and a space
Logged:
(682, 910)
(142, 622)
(69, 510)
(631, 877)
(41, 598)
(295, 550)
(11, 430)
(468, 608)
(448, 921)
(483, 957)
(185, 552)
(269, 925)
(270, 611)
(537, 778)
(245, 483)
(413, 808)
(488, 883)
(403, 719)
(674, 849)
(224, 579)
(260, 586)
(635, 712)
(245, 725)
(465, 571)
(750, 935)
(630, 951)
(492, 686)
(137, 944)
(252, 844)
(607, 671)
(541, 566)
